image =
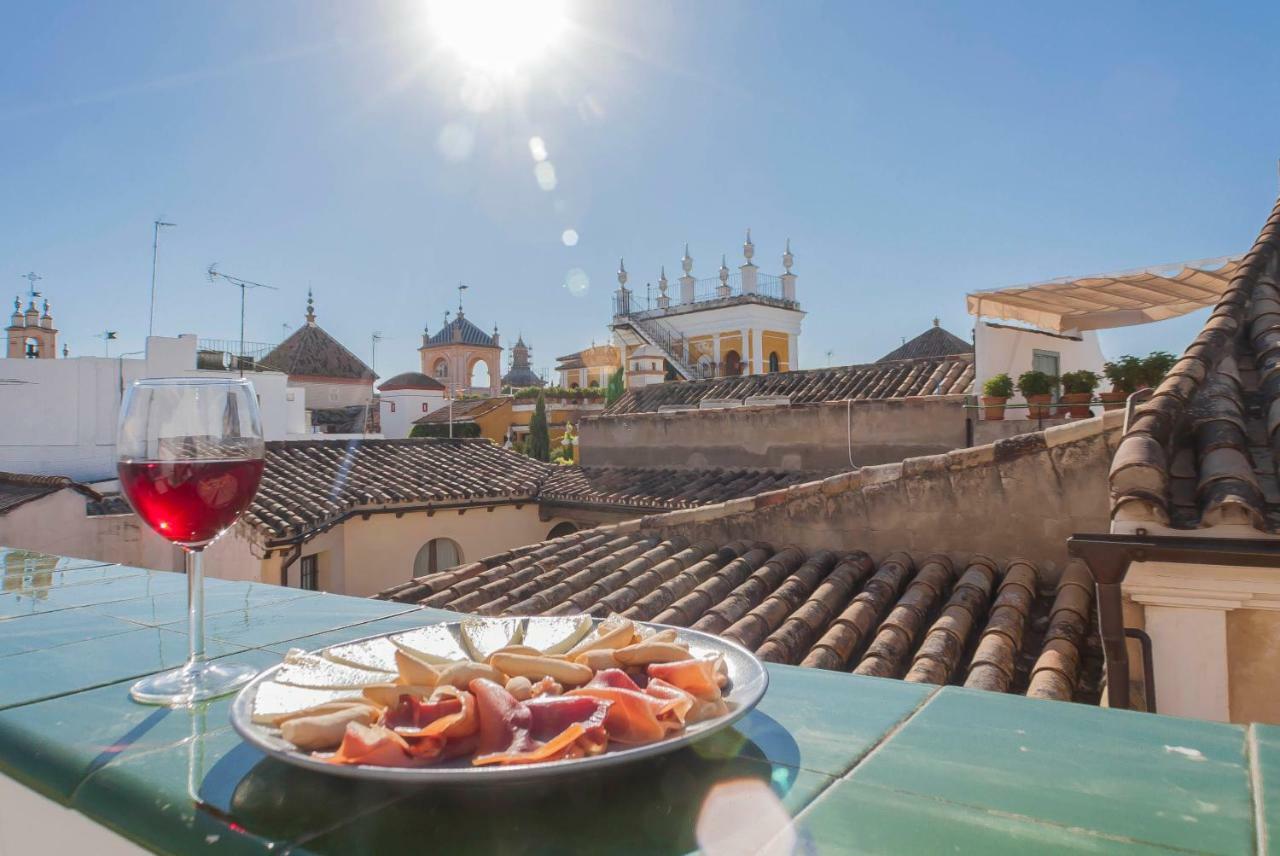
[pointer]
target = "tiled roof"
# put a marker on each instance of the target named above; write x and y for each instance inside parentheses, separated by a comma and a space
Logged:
(465, 410)
(522, 377)
(942, 376)
(934, 342)
(18, 489)
(946, 619)
(644, 488)
(312, 483)
(313, 352)
(469, 334)
(1204, 450)
(351, 419)
(411, 380)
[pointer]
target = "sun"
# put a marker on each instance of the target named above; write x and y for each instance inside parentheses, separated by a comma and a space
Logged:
(496, 36)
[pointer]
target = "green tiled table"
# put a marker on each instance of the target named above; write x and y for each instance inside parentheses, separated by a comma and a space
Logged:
(827, 763)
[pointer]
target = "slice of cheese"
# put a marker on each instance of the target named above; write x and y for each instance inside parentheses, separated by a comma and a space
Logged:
(434, 645)
(483, 636)
(556, 634)
(276, 702)
(312, 670)
(378, 654)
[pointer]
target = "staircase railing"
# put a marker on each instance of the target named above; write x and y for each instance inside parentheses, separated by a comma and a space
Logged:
(671, 343)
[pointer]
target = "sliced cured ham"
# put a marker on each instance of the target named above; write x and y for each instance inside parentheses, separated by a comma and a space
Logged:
(545, 729)
(698, 677)
(699, 709)
(635, 717)
(373, 745)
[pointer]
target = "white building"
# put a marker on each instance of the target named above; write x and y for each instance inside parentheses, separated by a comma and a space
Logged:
(407, 397)
(733, 324)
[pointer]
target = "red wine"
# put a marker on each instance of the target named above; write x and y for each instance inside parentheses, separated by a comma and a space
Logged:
(190, 502)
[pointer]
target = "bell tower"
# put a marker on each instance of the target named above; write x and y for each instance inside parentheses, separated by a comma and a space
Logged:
(31, 334)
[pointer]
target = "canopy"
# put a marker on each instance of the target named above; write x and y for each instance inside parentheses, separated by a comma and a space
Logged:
(1110, 300)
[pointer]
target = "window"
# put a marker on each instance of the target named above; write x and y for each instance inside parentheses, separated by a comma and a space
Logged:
(1046, 361)
(774, 365)
(441, 368)
(310, 572)
(333, 395)
(732, 364)
(393, 407)
(424, 407)
(437, 555)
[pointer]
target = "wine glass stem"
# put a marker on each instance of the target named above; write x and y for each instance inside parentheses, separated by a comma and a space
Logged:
(195, 605)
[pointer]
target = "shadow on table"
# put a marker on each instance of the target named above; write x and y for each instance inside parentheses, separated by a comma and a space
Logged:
(651, 805)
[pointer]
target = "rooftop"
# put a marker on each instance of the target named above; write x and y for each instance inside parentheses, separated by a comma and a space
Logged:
(1203, 450)
(463, 410)
(637, 488)
(311, 352)
(17, 489)
(411, 380)
(899, 379)
(461, 330)
(828, 762)
(934, 342)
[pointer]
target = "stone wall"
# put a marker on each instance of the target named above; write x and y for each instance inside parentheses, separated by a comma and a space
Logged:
(1022, 496)
(826, 436)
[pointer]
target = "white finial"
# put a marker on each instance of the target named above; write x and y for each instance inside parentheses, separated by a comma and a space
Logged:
(749, 249)
(622, 274)
(687, 261)
(662, 280)
(724, 270)
(787, 258)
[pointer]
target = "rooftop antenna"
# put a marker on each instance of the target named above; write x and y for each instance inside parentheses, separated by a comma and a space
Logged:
(829, 355)
(242, 284)
(155, 252)
(107, 337)
(374, 339)
(32, 278)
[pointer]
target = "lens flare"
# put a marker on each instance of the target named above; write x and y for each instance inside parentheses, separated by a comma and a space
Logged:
(545, 174)
(538, 149)
(576, 282)
(569, 237)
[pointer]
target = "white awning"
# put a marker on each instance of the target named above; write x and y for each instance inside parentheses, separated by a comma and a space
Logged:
(1110, 300)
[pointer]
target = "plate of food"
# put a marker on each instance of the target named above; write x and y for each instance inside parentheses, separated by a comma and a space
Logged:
(486, 699)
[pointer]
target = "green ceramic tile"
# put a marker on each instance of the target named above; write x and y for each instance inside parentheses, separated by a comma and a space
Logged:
(49, 630)
(280, 622)
(89, 593)
(854, 818)
(220, 598)
(51, 746)
(1132, 776)
(658, 806)
(820, 720)
(160, 799)
(39, 675)
(404, 621)
(1266, 746)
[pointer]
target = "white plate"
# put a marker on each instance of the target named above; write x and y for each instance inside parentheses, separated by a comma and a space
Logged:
(748, 681)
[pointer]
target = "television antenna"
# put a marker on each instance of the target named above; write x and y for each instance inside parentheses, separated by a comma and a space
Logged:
(155, 253)
(374, 339)
(107, 337)
(829, 355)
(244, 285)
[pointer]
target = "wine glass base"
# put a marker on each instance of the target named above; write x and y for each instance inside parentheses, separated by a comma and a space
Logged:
(192, 683)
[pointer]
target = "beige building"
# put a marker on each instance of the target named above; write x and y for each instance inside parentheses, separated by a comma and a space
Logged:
(31, 334)
(463, 357)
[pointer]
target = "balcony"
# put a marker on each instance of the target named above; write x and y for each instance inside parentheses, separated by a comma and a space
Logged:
(708, 293)
(828, 762)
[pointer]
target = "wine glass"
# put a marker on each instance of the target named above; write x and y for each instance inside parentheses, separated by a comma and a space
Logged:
(190, 458)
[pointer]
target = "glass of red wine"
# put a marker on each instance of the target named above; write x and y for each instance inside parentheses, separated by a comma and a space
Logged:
(190, 456)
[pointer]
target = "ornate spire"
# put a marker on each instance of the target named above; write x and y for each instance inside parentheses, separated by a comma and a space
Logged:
(748, 248)
(936, 322)
(662, 280)
(687, 261)
(724, 270)
(787, 258)
(622, 275)
(311, 308)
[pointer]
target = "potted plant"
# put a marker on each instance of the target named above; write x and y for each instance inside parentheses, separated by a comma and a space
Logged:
(1037, 388)
(1155, 366)
(1077, 392)
(1124, 376)
(996, 392)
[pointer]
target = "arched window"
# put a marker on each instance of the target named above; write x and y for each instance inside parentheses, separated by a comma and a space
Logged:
(479, 375)
(31, 349)
(561, 529)
(732, 364)
(773, 361)
(441, 368)
(437, 555)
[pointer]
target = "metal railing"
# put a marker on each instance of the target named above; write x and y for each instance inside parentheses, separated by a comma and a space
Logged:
(673, 345)
(705, 291)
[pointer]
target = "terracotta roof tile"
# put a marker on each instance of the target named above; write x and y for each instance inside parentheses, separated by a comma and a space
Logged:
(947, 375)
(977, 621)
(19, 488)
(1203, 450)
(638, 488)
(313, 352)
(934, 342)
(464, 410)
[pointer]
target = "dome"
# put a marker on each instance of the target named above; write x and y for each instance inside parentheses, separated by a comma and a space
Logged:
(411, 380)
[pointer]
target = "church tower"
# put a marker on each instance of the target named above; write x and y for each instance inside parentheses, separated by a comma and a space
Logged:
(453, 353)
(521, 375)
(31, 334)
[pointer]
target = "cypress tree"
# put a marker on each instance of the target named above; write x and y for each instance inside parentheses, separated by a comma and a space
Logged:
(615, 389)
(539, 438)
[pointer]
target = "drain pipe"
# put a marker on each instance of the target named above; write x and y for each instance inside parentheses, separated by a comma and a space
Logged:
(1108, 558)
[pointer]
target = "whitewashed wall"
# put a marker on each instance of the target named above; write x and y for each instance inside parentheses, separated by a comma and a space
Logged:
(1009, 351)
(408, 407)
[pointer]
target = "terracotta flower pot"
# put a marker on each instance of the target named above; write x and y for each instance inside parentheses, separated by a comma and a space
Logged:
(1113, 400)
(1039, 408)
(1078, 404)
(993, 408)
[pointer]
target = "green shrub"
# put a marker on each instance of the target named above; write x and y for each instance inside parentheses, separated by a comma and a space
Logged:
(1000, 386)
(616, 387)
(1155, 366)
(1036, 383)
(437, 429)
(1080, 381)
(1124, 374)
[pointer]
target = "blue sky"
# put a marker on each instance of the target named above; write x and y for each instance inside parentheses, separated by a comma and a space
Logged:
(912, 152)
